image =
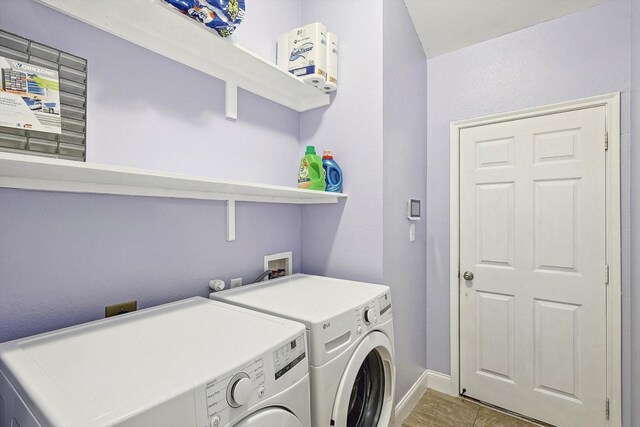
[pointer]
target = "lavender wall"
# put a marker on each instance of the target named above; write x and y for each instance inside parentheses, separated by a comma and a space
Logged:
(580, 55)
(347, 242)
(373, 134)
(634, 395)
(63, 257)
(264, 21)
(405, 177)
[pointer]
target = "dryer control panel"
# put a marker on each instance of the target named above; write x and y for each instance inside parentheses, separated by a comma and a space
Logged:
(233, 391)
(288, 356)
(229, 397)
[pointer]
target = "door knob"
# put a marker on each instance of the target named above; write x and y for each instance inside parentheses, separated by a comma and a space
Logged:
(468, 275)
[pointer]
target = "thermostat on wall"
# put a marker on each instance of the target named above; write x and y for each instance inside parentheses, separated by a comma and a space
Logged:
(413, 209)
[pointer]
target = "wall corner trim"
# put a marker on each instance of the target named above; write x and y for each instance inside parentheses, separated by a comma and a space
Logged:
(428, 379)
(439, 382)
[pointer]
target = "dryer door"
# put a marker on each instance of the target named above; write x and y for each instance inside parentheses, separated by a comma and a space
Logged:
(276, 417)
(365, 394)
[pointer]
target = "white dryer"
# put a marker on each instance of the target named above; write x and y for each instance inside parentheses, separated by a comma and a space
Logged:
(195, 363)
(350, 334)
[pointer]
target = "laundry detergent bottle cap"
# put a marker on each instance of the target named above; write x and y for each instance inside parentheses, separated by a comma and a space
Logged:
(311, 173)
(332, 172)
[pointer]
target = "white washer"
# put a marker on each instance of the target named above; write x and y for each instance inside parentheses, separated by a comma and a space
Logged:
(195, 363)
(350, 334)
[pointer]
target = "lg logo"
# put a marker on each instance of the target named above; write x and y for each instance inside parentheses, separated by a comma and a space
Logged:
(326, 325)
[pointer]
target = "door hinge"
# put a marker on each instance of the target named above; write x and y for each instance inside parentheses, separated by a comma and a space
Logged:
(606, 274)
(606, 408)
(606, 140)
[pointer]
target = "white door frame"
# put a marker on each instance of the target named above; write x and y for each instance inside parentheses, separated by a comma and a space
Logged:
(611, 102)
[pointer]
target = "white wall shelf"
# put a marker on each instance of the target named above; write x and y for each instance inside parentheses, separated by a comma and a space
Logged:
(46, 174)
(160, 28)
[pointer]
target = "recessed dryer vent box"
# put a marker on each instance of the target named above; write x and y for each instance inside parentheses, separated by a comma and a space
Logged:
(283, 260)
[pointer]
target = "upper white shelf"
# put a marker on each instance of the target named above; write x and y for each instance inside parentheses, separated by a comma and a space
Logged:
(160, 28)
(39, 173)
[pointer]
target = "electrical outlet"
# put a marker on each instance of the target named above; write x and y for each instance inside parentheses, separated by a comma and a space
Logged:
(236, 282)
(121, 308)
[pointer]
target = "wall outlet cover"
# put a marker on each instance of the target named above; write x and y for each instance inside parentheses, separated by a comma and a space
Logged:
(120, 308)
(236, 282)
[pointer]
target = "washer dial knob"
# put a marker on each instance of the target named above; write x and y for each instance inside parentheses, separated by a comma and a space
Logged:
(369, 315)
(239, 390)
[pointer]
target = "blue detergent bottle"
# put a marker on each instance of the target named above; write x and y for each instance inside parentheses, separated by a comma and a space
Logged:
(332, 172)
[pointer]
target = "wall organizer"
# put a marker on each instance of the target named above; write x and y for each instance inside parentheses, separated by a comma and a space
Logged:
(71, 144)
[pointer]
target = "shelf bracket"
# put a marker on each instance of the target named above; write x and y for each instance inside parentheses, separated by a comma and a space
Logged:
(231, 100)
(231, 220)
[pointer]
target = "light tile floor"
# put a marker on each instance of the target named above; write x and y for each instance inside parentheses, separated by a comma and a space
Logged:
(439, 410)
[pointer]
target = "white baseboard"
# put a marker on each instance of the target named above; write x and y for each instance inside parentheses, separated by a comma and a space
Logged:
(429, 379)
(439, 382)
(411, 398)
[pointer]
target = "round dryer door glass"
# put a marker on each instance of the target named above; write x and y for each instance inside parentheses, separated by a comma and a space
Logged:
(270, 417)
(367, 394)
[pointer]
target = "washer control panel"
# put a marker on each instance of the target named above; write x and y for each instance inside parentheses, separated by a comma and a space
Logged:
(373, 313)
(366, 317)
(384, 302)
(288, 356)
(370, 315)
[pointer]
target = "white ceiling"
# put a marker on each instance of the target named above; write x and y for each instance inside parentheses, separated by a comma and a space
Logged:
(447, 25)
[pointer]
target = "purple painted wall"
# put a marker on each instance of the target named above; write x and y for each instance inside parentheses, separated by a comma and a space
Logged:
(405, 177)
(372, 136)
(265, 19)
(63, 257)
(634, 357)
(347, 242)
(576, 56)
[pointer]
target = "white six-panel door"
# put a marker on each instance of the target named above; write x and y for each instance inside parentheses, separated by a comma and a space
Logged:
(532, 233)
